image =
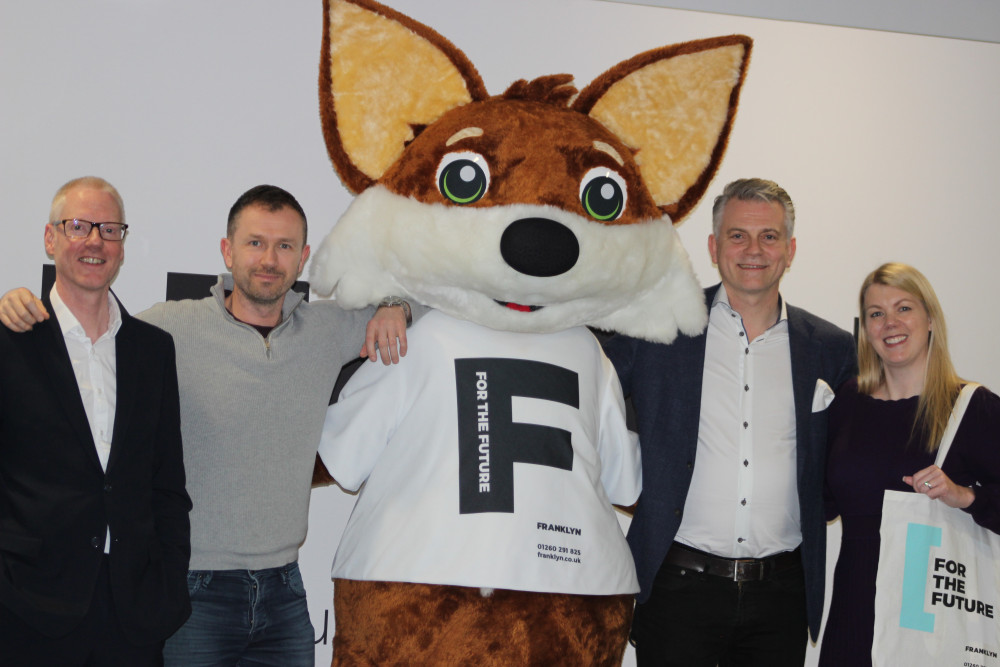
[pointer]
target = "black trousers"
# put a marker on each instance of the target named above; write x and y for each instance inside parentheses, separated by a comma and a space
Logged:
(702, 620)
(97, 641)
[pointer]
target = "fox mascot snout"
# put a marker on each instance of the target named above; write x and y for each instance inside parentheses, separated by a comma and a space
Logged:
(491, 455)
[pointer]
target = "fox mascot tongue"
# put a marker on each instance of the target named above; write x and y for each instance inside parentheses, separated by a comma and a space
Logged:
(491, 455)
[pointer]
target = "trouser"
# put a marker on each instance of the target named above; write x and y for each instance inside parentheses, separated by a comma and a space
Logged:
(697, 619)
(245, 617)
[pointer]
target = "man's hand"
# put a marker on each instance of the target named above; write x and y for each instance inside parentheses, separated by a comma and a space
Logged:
(386, 330)
(20, 310)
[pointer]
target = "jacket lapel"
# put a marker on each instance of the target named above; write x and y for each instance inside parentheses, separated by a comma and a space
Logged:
(689, 365)
(805, 370)
(61, 379)
(127, 372)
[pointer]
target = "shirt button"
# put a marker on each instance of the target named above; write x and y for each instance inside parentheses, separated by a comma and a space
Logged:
(746, 463)
(741, 334)
(745, 424)
(743, 502)
(740, 540)
(746, 351)
(746, 387)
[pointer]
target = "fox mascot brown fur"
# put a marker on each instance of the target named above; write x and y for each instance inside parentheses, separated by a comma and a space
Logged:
(526, 215)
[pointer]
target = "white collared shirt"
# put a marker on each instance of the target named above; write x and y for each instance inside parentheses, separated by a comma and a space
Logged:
(95, 368)
(743, 501)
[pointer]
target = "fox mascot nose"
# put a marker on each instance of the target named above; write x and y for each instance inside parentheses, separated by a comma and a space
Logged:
(539, 247)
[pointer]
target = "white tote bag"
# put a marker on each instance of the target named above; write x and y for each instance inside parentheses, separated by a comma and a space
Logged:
(937, 593)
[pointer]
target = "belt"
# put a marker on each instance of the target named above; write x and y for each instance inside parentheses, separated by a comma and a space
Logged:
(735, 569)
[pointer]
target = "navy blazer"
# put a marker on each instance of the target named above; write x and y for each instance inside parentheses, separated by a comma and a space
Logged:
(56, 502)
(664, 382)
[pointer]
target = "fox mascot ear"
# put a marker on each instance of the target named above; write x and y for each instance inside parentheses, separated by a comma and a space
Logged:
(386, 74)
(675, 106)
(368, 114)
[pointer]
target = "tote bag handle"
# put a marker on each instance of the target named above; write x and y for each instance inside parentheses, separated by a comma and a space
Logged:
(957, 412)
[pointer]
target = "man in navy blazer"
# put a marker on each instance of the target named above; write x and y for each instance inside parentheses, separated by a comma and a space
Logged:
(730, 552)
(94, 531)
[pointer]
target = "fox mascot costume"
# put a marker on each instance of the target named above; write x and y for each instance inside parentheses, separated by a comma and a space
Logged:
(489, 458)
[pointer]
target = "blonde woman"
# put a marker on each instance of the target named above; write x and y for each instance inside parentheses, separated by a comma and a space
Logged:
(885, 427)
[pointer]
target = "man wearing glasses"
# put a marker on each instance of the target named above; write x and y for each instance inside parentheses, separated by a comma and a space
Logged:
(94, 530)
(257, 365)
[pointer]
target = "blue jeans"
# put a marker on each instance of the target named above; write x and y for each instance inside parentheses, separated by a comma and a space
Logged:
(246, 618)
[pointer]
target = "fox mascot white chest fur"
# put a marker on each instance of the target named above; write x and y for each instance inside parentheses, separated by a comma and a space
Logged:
(491, 455)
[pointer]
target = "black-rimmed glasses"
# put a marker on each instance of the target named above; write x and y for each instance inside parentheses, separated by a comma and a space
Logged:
(75, 228)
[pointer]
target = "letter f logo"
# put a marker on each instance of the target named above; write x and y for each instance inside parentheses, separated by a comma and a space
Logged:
(919, 540)
(495, 442)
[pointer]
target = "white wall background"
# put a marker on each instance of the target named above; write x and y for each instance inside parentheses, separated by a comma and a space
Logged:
(887, 142)
(964, 19)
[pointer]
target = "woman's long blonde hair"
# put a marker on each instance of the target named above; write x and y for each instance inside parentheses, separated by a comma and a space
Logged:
(941, 383)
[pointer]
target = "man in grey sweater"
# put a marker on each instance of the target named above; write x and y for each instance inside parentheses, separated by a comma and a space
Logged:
(256, 366)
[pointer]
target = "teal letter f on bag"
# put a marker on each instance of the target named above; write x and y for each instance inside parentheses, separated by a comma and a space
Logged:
(919, 540)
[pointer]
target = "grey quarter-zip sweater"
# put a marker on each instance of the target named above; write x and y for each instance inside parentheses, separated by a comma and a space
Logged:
(252, 410)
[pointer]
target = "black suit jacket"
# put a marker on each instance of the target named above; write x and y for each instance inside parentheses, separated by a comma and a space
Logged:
(56, 502)
(664, 382)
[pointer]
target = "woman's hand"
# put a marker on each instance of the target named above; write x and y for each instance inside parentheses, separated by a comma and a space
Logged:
(933, 483)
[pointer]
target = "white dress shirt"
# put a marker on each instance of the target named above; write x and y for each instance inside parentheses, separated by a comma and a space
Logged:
(95, 367)
(743, 501)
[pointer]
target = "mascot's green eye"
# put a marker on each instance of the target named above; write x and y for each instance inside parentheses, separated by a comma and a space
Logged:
(463, 178)
(602, 193)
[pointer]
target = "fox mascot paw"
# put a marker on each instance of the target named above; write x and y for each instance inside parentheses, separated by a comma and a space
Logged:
(521, 219)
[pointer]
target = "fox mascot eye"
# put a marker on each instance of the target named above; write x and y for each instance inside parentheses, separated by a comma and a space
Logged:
(463, 178)
(602, 193)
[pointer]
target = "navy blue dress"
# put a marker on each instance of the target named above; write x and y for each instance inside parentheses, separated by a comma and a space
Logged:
(869, 453)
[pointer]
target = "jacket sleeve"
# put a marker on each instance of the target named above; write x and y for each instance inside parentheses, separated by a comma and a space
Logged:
(171, 503)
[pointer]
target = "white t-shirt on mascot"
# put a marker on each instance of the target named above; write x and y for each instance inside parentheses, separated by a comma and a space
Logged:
(489, 459)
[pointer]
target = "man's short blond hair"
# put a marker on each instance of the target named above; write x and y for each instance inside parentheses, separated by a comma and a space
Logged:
(93, 183)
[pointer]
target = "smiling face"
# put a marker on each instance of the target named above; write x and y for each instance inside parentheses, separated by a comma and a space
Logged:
(897, 327)
(265, 254)
(752, 248)
(90, 264)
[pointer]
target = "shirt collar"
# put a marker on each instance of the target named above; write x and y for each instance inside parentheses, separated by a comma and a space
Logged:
(722, 299)
(225, 284)
(69, 324)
